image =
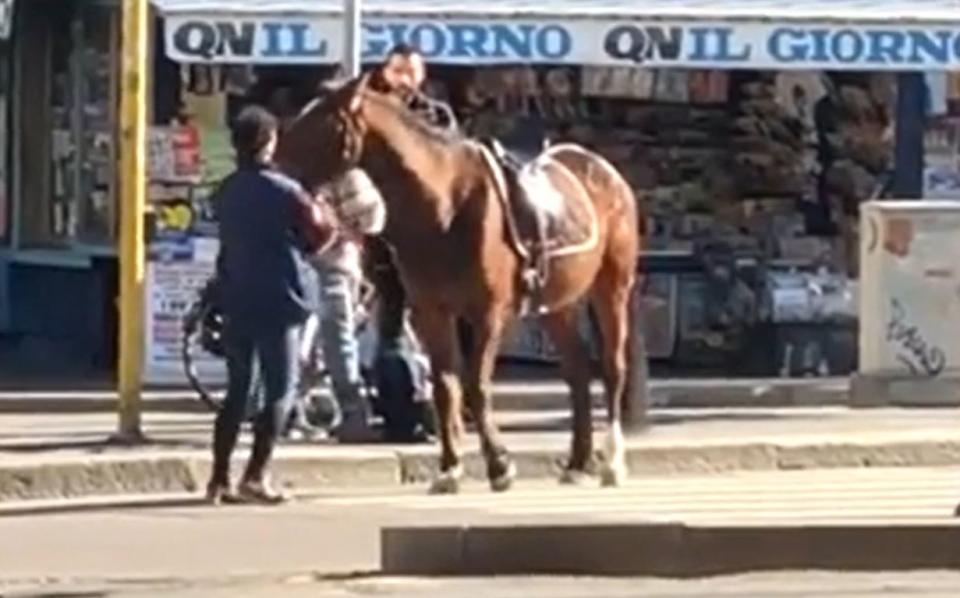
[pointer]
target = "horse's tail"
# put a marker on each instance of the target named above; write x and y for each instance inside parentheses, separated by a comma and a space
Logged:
(636, 392)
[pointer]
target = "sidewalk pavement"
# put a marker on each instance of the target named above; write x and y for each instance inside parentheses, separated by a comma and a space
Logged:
(47, 458)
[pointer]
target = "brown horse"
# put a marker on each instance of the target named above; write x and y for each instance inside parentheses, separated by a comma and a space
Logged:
(452, 233)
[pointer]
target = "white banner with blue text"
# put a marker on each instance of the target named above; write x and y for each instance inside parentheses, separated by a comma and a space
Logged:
(318, 39)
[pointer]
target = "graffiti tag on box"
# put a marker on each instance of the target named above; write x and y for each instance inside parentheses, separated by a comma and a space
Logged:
(920, 356)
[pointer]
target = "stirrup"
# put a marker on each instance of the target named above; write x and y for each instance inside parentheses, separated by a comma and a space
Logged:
(542, 268)
(532, 281)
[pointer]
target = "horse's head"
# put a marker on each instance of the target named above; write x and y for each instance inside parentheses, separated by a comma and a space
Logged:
(358, 126)
(326, 139)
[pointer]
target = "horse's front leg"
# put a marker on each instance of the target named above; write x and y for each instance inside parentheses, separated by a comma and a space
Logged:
(487, 330)
(436, 330)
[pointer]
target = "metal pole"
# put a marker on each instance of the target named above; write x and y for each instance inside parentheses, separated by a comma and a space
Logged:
(351, 37)
(908, 152)
(133, 124)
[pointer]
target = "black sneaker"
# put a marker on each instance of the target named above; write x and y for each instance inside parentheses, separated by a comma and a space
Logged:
(416, 435)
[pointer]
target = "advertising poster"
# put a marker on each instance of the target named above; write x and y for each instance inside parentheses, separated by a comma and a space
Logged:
(171, 288)
(181, 254)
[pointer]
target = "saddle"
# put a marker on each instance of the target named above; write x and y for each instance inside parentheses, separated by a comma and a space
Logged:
(545, 220)
(528, 221)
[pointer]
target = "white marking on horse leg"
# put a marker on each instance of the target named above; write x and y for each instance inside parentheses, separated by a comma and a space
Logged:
(448, 481)
(614, 471)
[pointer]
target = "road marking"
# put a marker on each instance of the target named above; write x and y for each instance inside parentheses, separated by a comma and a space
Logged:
(905, 493)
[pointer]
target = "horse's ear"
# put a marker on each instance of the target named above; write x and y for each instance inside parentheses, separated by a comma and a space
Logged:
(357, 90)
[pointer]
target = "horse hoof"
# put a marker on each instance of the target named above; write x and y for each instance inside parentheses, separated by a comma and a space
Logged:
(613, 477)
(448, 482)
(504, 481)
(574, 477)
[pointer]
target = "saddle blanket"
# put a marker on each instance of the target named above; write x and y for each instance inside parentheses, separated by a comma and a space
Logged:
(563, 204)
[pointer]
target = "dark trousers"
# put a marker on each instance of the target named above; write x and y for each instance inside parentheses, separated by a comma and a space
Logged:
(378, 264)
(276, 351)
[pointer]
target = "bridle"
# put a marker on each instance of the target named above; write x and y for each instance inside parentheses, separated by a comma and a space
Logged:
(350, 127)
(352, 130)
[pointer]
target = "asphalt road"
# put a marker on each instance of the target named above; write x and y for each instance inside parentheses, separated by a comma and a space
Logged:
(931, 584)
(329, 544)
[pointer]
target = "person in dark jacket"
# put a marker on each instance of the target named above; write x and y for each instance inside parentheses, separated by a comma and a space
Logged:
(266, 223)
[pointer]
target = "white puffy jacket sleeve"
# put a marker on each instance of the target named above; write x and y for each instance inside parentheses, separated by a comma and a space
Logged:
(360, 208)
(359, 203)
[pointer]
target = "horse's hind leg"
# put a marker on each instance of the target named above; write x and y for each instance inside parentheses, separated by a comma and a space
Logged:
(611, 303)
(437, 333)
(485, 332)
(575, 364)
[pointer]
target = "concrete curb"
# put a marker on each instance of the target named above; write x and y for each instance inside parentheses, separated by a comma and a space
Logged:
(124, 475)
(508, 396)
(903, 391)
(667, 549)
(102, 403)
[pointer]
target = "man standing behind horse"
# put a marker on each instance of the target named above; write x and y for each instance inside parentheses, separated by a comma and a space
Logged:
(401, 75)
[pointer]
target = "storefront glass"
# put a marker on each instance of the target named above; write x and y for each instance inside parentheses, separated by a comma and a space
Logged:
(5, 204)
(942, 137)
(75, 202)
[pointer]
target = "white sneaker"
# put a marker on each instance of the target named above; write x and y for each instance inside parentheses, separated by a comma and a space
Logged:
(307, 433)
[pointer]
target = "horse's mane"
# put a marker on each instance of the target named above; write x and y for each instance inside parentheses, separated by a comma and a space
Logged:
(324, 91)
(447, 139)
(413, 121)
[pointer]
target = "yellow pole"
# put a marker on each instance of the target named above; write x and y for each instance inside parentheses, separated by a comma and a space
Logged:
(132, 150)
